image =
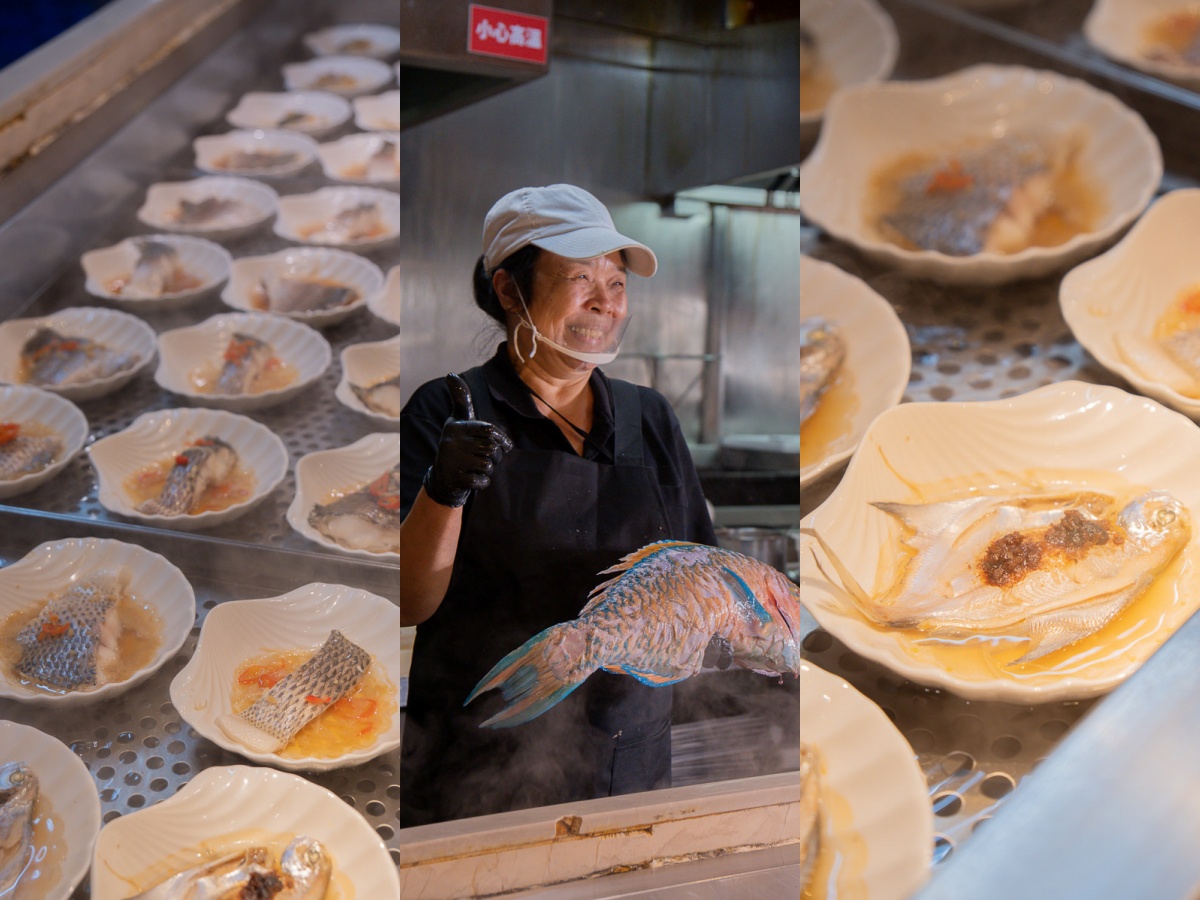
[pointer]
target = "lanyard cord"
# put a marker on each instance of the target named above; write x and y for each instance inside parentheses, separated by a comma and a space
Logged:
(583, 434)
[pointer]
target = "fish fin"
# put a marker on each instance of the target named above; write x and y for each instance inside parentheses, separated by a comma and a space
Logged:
(741, 589)
(928, 521)
(1055, 630)
(251, 736)
(649, 676)
(849, 584)
(526, 680)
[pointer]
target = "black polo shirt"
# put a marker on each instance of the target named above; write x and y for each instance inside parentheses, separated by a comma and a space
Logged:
(662, 440)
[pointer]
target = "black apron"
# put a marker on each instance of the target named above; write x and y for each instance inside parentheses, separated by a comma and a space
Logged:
(530, 551)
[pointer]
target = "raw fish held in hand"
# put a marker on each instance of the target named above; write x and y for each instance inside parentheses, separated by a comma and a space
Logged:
(654, 621)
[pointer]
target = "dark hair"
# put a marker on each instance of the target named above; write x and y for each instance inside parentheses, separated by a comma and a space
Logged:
(519, 266)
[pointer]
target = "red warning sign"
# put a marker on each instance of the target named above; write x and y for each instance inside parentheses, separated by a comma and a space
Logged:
(500, 32)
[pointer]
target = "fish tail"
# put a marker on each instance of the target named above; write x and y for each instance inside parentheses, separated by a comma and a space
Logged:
(849, 584)
(527, 679)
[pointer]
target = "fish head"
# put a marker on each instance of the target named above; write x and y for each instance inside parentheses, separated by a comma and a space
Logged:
(1156, 518)
(16, 778)
(308, 864)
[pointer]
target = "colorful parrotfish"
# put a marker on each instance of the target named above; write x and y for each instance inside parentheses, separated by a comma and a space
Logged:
(654, 621)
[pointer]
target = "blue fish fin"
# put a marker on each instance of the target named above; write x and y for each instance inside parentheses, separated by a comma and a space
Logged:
(750, 603)
(648, 676)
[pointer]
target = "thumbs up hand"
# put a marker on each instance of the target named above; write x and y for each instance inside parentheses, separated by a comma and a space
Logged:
(467, 451)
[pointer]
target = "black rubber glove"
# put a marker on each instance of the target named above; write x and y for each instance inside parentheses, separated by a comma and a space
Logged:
(467, 451)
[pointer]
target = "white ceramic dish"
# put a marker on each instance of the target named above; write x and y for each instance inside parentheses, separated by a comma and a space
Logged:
(311, 218)
(51, 567)
(30, 406)
(253, 204)
(1113, 302)
(347, 76)
(878, 361)
(1119, 29)
(856, 43)
(314, 263)
(241, 630)
(184, 351)
(378, 112)
(385, 302)
(868, 127)
(349, 158)
(1070, 435)
(155, 436)
(343, 469)
(116, 330)
(69, 793)
(869, 765)
(214, 152)
(378, 41)
(365, 365)
(202, 260)
(247, 802)
(315, 113)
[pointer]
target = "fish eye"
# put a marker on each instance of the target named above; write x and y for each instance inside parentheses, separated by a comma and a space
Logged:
(1164, 517)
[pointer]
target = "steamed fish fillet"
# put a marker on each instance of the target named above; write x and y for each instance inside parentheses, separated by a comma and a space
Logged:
(298, 698)
(256, 160)
(302, 873)
(810, 812)
(384, 163)
(822, 352)
(368, 519)
(986, 200)
(206, 463)
(72, 643)
(382, 397)
(22, 454)
(154, 273)
(296, 119)
(303, 295)
(204, 212)
(355, 223)
(1051, 568)
(53, 359)
(18, 793)
(243, 363)
(1173, 361)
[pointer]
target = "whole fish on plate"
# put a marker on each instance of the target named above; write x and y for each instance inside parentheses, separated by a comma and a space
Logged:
(18, 793)
(24, 454)
(290, 295)
(302, 873)
(298, 698)
(1049, 568)
(51, 359)
(382, 397)
(204, 212)
(810, 812)
(72, 642)
(822, 352)
(244, 361)
(659, 619)
(977, 200)
(368, 519)
(205, 463)
(155, 273)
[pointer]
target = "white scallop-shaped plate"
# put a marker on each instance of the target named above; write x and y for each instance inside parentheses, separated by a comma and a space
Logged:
(878, 359)
(365, 365)
(378, 41)
(343, 470)
(312, 218)
(155, 436)
(347, 76)
(232, 805)
(200, 259)
(868, 765)
(319, 112)
(116, 330)
(378, 112)
(251, 204)
(183, 351)
(349, 158)
(1119, 29)
(215, 152)
(1068, 436)
(385, 302)
(33, 407)
(1113, 302)
(316, 263)
(69, 793)
(869, 127)
(51, 567)
(237, 631)
(856, 43)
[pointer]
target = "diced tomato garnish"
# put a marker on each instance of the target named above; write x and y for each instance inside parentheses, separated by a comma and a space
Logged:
(951, 178)
(8, 431)
(313, 698)
(1191, 303)
(53, 627)
(181, 460)
(264, 676)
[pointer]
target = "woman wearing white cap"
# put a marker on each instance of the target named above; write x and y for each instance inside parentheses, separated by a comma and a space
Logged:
(520, 482)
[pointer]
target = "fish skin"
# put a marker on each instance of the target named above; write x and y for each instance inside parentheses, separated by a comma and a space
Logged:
(306, 868)
(382, 397)
(25, 454)
(81, 654)
(256, 160)
(209, 461)
(654, 621)
(368, 519)
(822, 352)
(154, 271)
(274, 719)
(200, 212)
(18, 793)
(298, 295)
(356, 222)
(57, 360)
(943, 590)
(215, 879)
(244, 360)
(384, 162)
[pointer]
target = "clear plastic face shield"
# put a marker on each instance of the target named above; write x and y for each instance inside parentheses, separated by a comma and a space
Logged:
(589, 337)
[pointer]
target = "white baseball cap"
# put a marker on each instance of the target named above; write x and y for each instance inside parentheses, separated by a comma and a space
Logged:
(563, 219)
